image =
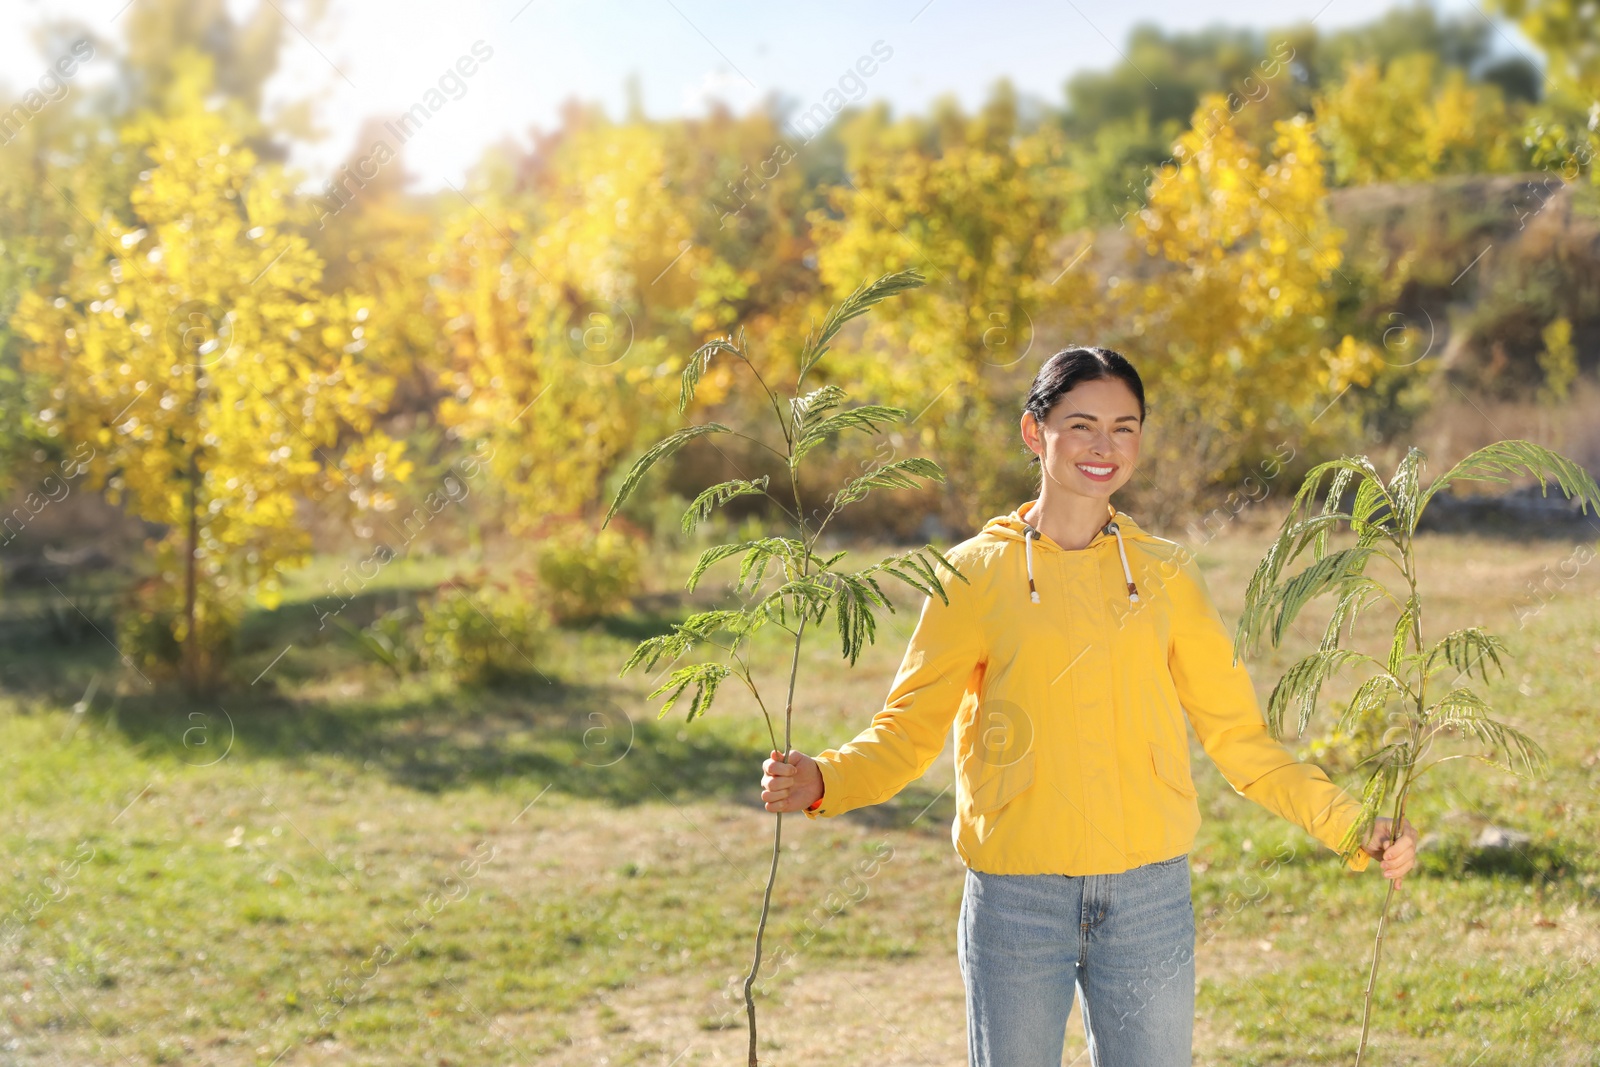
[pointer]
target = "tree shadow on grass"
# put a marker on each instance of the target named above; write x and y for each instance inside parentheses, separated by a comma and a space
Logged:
(578, 740)
(584, 740)
(575, 739)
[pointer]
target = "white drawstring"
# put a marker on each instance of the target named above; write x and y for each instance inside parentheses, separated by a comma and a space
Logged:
(1127, 573)
(1133, 590)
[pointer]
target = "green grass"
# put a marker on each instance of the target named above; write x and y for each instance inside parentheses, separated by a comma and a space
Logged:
(354, 868)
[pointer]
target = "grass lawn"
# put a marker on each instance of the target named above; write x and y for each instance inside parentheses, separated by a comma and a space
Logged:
(332, 865)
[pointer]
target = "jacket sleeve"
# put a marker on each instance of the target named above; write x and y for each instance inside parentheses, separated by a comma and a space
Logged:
(944, 658)
(1221, 703)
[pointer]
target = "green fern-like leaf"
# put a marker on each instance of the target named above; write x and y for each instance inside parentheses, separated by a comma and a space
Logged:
(1300, 529)
(686, 634)
(1404, 491)
(1326, 573)
(652, 650)
(1370, 697)
(758, 553)
(852, 608)
(1302, 683)
(717, 496)
(1331, 506)
(700, 362)
(1466, 711)
(1389, 762)
(1370, 512)
(1493, 462)
(1312, 533)
(753, 568)
(919, 572)
(855, 304)
(1305, 497)
(713, 555)
(806, 411)
(901, 474)
(1355, 596)
(866, 418)
(799, 598)
(1404, 625)
(705, 624)
(657, 452)
(705, 677)
(1466, 650)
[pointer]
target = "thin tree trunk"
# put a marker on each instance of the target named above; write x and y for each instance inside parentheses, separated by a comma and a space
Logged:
(191, 646)
(1377, 946)
(1372, 976)
(772, 871)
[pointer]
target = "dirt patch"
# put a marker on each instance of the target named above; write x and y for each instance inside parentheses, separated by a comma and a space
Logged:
(910, 1014)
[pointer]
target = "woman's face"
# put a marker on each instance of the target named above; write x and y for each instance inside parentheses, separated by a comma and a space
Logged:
(1088, 444)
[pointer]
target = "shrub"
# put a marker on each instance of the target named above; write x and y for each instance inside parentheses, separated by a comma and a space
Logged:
(584, 576)
(485, 635)
(391, 639)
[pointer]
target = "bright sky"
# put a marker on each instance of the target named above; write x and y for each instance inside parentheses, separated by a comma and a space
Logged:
(382, 56)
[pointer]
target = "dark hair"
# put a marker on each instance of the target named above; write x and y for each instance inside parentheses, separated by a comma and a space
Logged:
(1071, 367)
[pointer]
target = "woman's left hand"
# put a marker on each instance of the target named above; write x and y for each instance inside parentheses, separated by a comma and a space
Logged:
(1398, 856)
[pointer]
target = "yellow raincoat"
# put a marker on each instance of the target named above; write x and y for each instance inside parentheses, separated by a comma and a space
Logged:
(1068, 676)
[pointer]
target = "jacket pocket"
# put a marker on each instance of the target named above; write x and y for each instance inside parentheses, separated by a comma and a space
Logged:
(1170, 769)
(998, 787)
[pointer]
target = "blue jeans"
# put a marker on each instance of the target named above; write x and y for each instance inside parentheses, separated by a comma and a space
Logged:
(1126, 941)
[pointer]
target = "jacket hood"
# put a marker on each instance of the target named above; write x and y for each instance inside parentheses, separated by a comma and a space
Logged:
(1016, 526)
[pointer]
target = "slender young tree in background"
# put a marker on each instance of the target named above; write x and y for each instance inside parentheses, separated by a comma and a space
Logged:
(808, 587)
(1413, 691)
(195, 352)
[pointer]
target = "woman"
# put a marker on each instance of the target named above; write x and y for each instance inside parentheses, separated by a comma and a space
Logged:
(1069, 662)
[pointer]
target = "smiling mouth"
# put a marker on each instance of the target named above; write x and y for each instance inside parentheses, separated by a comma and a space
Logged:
(1099, 472)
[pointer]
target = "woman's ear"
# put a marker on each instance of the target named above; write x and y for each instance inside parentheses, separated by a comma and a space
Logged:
(1030, 432)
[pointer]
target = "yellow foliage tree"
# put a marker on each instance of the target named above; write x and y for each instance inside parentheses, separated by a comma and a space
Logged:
(576, 283)
(380, 244)
(1407, 124)
(193, 351)
(546, 358)
(1232, 332)
(977, 207)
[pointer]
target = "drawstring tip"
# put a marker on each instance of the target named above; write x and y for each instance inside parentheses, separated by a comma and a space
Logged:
(1133, 593)
(1035, 597)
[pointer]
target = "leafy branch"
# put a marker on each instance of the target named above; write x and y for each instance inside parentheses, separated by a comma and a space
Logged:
(1383, 516)
(784, 581)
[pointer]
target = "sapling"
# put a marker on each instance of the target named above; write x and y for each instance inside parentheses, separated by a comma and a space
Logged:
(809, 587)
(1402, 692)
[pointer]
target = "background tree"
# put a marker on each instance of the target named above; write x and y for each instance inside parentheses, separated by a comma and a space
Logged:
(1410, 122)
(561, 312)
(979, 207)
(1230, 324)
(216, 383)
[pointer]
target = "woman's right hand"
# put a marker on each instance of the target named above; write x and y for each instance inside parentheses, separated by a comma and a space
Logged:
(790, 784)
